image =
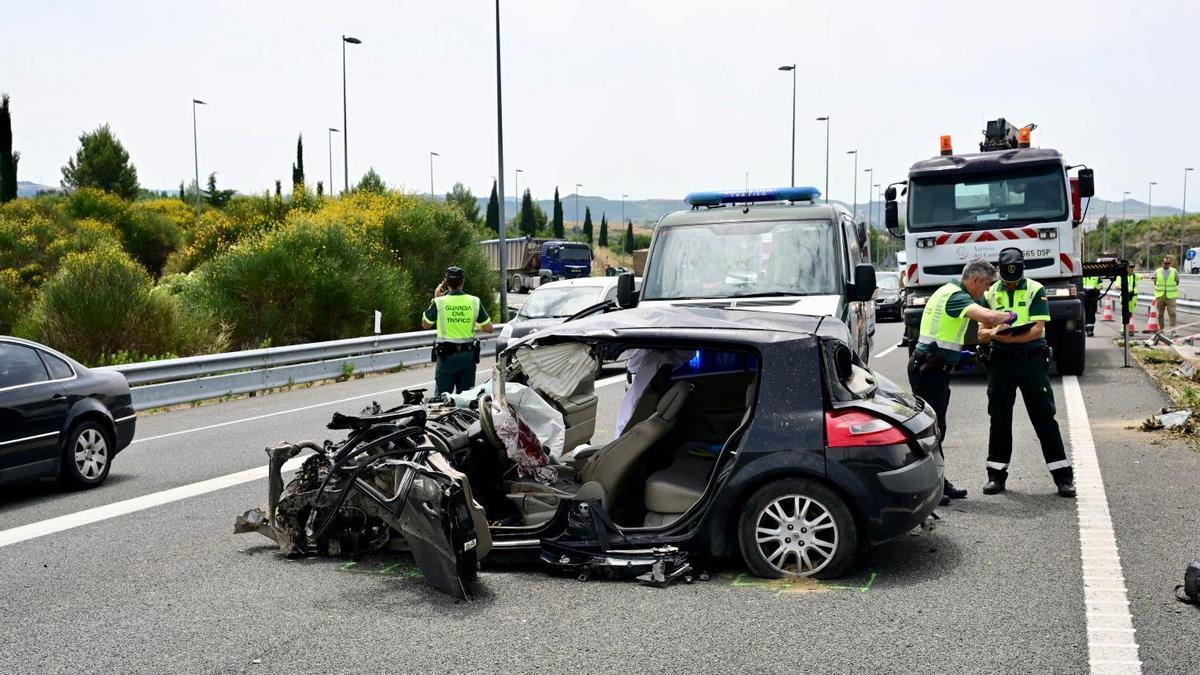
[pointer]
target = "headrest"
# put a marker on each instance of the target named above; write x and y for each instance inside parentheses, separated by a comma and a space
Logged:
(671, 402)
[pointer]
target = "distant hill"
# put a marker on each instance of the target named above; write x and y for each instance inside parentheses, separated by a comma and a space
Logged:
(27, 189)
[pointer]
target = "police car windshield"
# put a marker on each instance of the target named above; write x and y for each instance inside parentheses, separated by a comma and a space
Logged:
(988, 200)
(741, 259)
(545, 303)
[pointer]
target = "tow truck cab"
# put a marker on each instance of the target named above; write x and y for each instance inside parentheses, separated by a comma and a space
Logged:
(956, 208)
(767, 250)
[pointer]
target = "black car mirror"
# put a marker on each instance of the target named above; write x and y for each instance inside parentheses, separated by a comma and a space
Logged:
(891, 216)
(1087, 183)
(890, 193)
(627, 297)
(864, 283)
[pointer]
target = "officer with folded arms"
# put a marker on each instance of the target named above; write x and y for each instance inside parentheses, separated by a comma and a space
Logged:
(1020, 360)
(457, 316)
(944, 322)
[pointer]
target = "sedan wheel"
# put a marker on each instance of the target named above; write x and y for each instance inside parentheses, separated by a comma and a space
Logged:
(797, 528)
(87, 456)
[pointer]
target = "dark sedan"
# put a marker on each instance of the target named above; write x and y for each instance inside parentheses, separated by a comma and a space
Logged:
(888, 299)
(58, 418)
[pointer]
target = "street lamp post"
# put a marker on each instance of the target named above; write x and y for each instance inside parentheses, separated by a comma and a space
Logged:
(578, 223)
(1149, 224)
(876, 191)
(432, 154)
(332, 189)
(623, 196)
(1183, 217)
(792, 69)
(825, 119)
(854, 206)
(500, 178)
(196, 153)
(870, 196)
(1124, 225)
(345, 131)
(517, 194)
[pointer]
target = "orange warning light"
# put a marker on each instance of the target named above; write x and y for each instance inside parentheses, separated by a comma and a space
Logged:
(947, 149)
(1023, 135)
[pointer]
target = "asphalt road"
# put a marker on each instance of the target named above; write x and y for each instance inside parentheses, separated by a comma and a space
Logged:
(997, 587)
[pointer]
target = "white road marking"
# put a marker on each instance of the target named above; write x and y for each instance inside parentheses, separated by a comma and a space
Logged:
(94, 515)
(1106, 603)
(887, 351)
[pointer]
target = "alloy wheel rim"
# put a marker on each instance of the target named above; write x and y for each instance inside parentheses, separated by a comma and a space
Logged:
(796, 535)
(91, 454)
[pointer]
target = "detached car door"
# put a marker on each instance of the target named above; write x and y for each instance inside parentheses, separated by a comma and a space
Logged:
(33, 409)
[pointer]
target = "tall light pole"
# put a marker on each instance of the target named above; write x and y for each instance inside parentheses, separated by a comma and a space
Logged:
(825, 119)
(345, 123)
(517, 193)
(623, 196)
(1183, 217)
(196, 153)
(332, 189)
(1124, 225)
(432, 154)
(874, 192)
(1149, 215)
(500, 178)
(870, 196)
(578, 223)
(854, 206)
(792, 69)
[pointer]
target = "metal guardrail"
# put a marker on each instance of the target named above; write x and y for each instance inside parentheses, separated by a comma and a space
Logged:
(197, 378)
(1142, 297)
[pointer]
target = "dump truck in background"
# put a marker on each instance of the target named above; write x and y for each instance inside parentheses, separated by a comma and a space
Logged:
(531, 262)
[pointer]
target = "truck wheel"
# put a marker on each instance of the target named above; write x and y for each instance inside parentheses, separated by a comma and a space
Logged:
(514, 286)
(1071, 356)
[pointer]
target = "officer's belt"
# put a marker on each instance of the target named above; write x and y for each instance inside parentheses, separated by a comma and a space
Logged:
(1007, 352)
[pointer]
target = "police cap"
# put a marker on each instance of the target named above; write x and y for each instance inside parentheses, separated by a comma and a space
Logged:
(455, 274)
(1012, 264)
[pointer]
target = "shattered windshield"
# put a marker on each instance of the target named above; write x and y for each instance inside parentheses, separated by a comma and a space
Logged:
(546, 303)
(988, 200)
(743, 259)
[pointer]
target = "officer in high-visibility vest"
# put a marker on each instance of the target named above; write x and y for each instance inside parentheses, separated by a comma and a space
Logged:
(1166, 290)
(1092, 287)
(457, 316)
(944, 323)
(1020, 359)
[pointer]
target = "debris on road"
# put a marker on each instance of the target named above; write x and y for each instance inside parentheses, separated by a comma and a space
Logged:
(1169, 419)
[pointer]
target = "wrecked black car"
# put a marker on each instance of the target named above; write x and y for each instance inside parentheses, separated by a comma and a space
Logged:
(740, 432)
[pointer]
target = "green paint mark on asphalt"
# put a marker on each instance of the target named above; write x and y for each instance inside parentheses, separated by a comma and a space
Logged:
(798, 584)
(399, 569)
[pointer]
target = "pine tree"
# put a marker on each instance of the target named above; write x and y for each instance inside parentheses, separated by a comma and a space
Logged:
(461, 196)
(558, 215)
(298, 167)
(493, 211)
(278, 190)
(320, 189)
(527, 221)
(101, 162)
(182, 193)
(8, 163)
(629, 238)
(604, 230)
(587, 224)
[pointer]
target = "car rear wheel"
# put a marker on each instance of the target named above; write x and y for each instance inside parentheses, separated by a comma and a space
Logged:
(87, 456)
(797, 527)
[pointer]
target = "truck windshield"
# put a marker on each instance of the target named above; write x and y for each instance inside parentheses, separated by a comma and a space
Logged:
(988, 200)
(730, 260)
(575, 254)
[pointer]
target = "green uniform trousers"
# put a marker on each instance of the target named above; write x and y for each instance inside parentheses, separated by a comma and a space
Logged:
(1025, 369)
(455, 373)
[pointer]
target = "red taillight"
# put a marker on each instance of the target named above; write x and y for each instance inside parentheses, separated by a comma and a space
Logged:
(849, 428)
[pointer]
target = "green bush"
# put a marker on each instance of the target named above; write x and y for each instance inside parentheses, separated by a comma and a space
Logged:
(216, 233)
(307, 282)
(13, 299)
(150, 233)
(100, 302)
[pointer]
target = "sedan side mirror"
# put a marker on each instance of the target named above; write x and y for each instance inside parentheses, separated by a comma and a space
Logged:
(1087, 183)
(627, 297)
(864, 283)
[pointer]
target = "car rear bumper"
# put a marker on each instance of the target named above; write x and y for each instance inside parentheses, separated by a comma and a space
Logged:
(126, 426)
(891, 501)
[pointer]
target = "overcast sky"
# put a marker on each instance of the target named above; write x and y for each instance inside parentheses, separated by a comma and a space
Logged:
(651, 99)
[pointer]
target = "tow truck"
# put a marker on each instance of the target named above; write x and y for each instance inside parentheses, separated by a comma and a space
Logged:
(954, 208)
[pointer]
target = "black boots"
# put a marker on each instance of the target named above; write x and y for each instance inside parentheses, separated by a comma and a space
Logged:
(950, 492)
(1064, 490)
(993, 487)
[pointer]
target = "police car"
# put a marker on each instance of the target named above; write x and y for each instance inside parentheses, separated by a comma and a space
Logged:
(774, 250)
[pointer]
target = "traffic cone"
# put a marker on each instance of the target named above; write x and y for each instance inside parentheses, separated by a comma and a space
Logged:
(1152, 322)
(1108, 311)
(1131, 328)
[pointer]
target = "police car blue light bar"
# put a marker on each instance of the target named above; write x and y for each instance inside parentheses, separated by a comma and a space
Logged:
(785, 194)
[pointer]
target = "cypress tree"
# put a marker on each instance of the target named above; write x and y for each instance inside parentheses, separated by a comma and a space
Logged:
(8, 163)
(526, 218)
(587, 224)
(558, 215)
(298, 167)
(629, 237)
(493, 211)
(604, 230)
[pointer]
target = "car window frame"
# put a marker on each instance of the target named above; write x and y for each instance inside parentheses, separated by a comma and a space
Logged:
(46, 356)
(37, 350)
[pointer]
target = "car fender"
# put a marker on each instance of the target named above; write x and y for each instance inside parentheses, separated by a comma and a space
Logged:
(91, 409)
(758, 470)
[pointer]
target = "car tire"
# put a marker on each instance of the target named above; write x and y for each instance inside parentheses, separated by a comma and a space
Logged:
(823, 551)
(87, 456)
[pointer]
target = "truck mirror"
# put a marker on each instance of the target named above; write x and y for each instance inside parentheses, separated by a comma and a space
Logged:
(890, 193)
(891, 216)
(1087, 183)
(626, 294)
(864, 283)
